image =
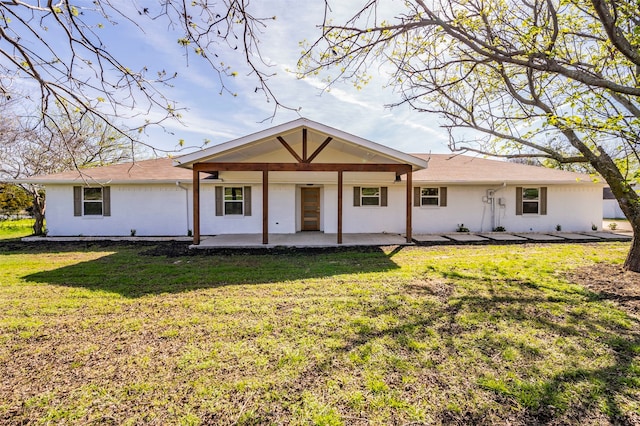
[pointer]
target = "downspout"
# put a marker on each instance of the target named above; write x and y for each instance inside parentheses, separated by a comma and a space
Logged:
(186, 193)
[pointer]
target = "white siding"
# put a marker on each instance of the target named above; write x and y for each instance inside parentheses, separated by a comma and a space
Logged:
(573, 207)
(165, 210)
(151, 210)
(464, 206)
(611, 210)
(210, 224)
(282, 209)
(363, 219)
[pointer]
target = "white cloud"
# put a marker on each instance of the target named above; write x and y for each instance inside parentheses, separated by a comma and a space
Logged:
(225, 117)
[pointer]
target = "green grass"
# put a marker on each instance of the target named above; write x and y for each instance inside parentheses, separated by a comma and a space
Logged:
(449, 335)
(15, 228)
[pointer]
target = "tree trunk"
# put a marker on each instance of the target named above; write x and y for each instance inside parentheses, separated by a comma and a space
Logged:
(38, 225)
(633, 257)
(632, 263)
(628, 200)
(38, 202)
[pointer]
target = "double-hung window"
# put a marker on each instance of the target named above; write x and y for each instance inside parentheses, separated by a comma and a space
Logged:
(530, 200)
(233, 200)
(91, 201)
(430, 196)
(370, 196)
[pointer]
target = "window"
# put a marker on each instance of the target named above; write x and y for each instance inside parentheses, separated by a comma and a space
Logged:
(429, 196)
(530, 200)
(370, 196)
(233, 200)
(91, 201)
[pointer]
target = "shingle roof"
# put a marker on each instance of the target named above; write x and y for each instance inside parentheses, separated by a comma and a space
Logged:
(463, 169)
(442, 168)
(159, 170)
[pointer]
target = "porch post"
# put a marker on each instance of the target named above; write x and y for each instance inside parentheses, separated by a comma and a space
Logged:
(196, 207)
(265, 206)
(409, 203)
(340, 207)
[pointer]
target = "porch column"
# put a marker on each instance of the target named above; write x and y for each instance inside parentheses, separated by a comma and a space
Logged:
(196, 207)
(409, 204)
(265, 206)
(340, 207)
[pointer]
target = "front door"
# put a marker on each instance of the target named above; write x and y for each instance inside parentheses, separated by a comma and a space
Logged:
(310, 209)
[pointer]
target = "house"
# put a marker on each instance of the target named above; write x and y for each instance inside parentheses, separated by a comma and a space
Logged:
(305, 176)
(610, 206)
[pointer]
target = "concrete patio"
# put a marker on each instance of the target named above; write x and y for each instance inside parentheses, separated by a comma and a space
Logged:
(300, 239)
(320, 239)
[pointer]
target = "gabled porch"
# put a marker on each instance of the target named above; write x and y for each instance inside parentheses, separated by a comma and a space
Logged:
(297, 153)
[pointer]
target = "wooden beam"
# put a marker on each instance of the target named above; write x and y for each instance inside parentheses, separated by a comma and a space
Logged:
(291, 151)
(304, 145)
(319, 150)
(196, 207)
(265, 207)
(304, 167)
(409, 207)
(230, 167)
(340, 181)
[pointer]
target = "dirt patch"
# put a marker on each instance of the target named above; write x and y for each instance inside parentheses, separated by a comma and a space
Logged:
(174, 248)
(611, 282)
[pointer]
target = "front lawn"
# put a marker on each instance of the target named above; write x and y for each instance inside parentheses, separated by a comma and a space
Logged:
(115, 334)
(15, 228)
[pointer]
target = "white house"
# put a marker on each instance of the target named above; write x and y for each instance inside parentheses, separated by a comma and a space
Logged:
(305, 176)
(610, 206)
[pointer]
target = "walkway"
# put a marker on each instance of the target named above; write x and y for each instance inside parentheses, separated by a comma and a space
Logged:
(509, 238)
(320, 239)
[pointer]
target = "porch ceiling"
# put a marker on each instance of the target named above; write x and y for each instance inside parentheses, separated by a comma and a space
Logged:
(273, 148)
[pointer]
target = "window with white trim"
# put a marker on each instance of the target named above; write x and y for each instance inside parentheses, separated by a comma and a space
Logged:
(370, 196)
(530, 200)
(233, 200)
(92, 201)
(430, 197)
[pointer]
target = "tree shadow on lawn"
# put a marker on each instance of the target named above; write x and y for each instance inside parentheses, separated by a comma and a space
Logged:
(577, 391)
(131, 272)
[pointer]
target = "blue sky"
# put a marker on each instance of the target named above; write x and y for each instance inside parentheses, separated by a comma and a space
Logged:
(220, 118)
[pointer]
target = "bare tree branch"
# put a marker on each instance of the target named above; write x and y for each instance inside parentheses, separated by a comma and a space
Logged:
(59, 46)
(541, 78)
